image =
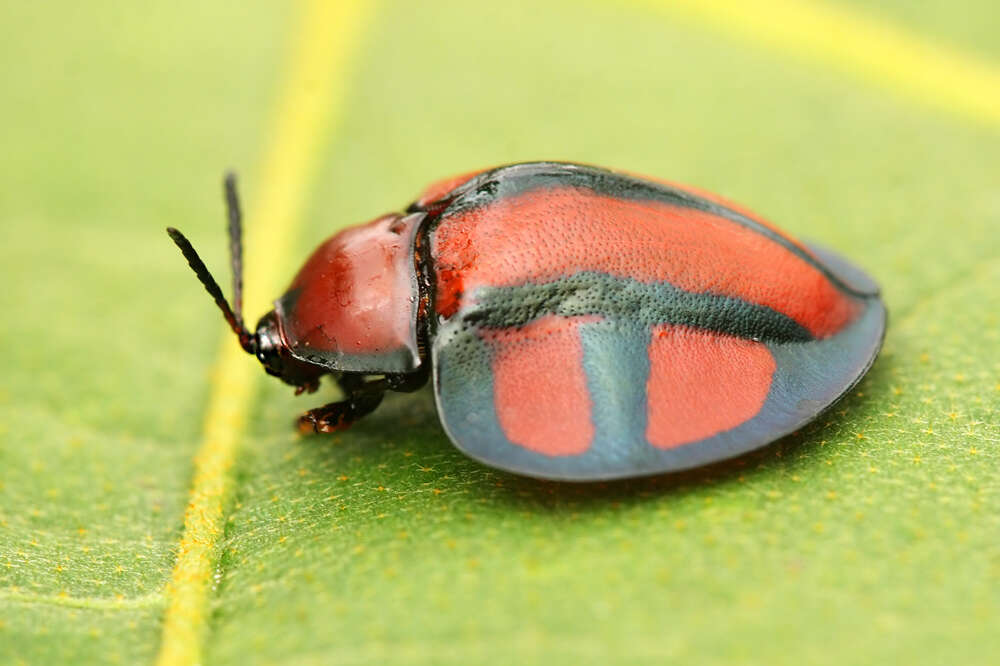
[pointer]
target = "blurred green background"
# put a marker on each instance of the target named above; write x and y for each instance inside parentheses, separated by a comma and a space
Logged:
(870, 537)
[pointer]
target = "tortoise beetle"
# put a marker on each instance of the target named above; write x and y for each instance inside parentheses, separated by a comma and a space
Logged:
(579, 323)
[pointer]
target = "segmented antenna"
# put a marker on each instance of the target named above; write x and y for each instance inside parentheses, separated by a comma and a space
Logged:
(233, 316)
(235, 243)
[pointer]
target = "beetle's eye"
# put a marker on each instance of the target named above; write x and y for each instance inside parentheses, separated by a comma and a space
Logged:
(268, 346)
(271, 361)
(268, 356)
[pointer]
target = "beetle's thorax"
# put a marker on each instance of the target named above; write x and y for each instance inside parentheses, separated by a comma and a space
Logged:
(353, 305)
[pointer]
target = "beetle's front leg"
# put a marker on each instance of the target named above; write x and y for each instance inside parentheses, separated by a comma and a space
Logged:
(362, 399)
(339, 415)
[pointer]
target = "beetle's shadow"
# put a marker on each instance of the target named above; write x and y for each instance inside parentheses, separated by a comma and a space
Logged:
(428, 443)
(526, 493)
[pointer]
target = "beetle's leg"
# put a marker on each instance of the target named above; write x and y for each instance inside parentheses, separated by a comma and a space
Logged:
(340, 415)
(363, 396)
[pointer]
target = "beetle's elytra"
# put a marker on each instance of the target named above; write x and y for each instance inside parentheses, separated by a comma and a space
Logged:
(579, 323)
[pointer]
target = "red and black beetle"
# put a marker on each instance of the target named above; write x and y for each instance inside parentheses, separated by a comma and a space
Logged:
(580, 323)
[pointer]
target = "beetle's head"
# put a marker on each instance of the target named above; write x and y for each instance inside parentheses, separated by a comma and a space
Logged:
(266, 343)
(272, 351)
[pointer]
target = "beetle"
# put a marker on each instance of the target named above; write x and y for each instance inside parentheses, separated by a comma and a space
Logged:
(579, 323)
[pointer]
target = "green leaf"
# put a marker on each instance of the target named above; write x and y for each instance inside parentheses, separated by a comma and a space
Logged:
(870, 537)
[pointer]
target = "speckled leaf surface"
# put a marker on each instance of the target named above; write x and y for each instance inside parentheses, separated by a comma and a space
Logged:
(869, 537)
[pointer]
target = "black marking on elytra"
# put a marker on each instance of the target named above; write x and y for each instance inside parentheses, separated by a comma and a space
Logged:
(591, 293)
(508, 181)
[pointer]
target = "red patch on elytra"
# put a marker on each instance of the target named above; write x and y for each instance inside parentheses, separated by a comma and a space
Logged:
(727, 203)
(448, 301)
(540, 387)
(547, 234)
(702, 383)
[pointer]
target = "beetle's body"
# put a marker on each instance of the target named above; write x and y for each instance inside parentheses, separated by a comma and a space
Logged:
(581, 323)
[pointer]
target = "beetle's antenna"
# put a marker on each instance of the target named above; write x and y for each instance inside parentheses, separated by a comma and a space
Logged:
(212, 287)
(235, 243)
(235, 319)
